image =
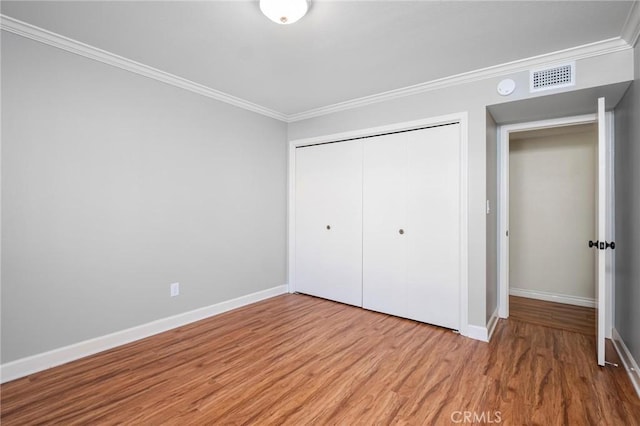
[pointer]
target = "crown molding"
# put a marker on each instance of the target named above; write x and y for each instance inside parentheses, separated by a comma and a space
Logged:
(630, 34)
(572, 54)
(631, 28)
(70, 45)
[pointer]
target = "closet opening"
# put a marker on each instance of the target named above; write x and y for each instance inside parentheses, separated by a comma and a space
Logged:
(557, 233)
(552, 215)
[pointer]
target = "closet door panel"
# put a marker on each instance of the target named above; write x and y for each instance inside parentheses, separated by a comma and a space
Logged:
(329, 221)
(433, 216)
(384, 207)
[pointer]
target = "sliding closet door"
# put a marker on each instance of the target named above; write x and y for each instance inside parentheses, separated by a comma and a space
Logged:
(411, 225)
(385, 224)
(328, 187)
(433, 222)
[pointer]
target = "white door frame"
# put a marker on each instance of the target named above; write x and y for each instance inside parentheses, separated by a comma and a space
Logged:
(461, 118)
(503, 201)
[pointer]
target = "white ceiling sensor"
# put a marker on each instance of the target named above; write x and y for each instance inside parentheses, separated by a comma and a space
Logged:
(506, 87)
(552, 77)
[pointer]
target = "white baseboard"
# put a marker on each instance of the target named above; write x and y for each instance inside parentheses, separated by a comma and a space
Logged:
(477, 332)
(483, 333)
(35, 363)
(553, 297)
(628, 362)
(491, 325)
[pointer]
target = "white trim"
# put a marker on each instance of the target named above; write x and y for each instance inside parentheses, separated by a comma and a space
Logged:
(484, 333)
(590, 50)
(291, 219)
(379, 130)
(503, 201)
(464, 224)
(461, 118)
(503, 222)
(553, 297)
(629, 363)
(478, 333)
(33, 364)
(492, 323)
(631, 28)
(70, 45)
(603, 47)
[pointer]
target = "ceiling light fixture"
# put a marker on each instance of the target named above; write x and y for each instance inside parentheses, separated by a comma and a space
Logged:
(284, 12)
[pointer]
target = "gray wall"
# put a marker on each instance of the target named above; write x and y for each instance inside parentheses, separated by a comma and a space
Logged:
(114, 186)
(627, 222)
(492, 216)
(473, 97)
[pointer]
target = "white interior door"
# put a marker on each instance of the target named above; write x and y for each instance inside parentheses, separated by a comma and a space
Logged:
(328, 194)
(384, 224)
(604, 239)
(433, 222)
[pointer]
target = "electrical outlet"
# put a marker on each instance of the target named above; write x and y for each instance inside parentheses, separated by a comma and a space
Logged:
(175, 289)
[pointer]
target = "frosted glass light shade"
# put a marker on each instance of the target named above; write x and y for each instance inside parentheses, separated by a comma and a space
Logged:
(284, 11)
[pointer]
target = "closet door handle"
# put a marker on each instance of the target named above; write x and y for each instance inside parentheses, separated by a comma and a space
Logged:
(328, 227)
(401, 231)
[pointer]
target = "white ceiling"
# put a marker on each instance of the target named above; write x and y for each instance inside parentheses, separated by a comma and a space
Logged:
(342, 50)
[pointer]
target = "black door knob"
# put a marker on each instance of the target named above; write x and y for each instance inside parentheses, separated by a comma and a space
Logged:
(602, 245)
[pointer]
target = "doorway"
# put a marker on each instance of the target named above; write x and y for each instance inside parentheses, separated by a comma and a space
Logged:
(603, 244)
(552, 205)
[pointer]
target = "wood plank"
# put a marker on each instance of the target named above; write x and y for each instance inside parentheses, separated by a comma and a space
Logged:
(297, 359)
(550, 314)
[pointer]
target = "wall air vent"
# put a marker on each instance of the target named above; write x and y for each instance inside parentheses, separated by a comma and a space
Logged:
(552, 77)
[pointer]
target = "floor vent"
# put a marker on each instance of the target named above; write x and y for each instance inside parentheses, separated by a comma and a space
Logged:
(552, 78)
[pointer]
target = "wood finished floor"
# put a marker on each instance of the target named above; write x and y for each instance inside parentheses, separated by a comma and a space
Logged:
(557, 315)
(300, 360)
